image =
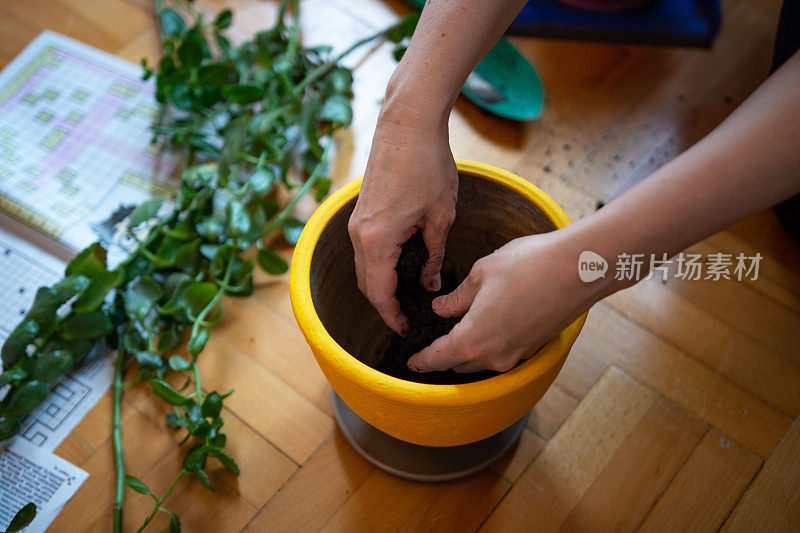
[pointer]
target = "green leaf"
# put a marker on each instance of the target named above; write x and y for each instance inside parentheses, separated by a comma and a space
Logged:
(227, 461)
(182, 231)
(212, 405)
(262, 180)
(337, 109)
(145, 211)
(181, 96)
(86, 326)
(171, 22)
(9, 426)
(24, 398)
(292, 228)
(211, 228)
(218, 440)
(244, 94)
(179, 364)
(149, 360)
(224, 45)
(321, 188)
(169, 339)
(341, 81)
(49, 365)
(271, 262)
(224, 19)
(220, 261)
(176, 421)
(23, 517)
(140, 297)
(43, 310)
(238, 219)
(132, 340)
(198, 342)
(90, 262)
(203, 477)
(195, 459)
(190, 51)
(198, 295)
(163, 389)
(69, 287)
(95, 294)
(15, 346)
(137, 485)
(78, 348)
(15, 374)
(174, 522)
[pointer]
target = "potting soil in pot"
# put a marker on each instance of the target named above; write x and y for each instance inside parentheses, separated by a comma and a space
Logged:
(426, 326)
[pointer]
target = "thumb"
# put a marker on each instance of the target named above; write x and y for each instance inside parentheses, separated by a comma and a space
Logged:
(458, 302)
(434, 236)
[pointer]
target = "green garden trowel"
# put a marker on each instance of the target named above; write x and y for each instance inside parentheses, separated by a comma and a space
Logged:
(504, 82)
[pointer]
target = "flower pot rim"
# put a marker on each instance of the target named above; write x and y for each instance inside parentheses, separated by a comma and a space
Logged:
(408, 392)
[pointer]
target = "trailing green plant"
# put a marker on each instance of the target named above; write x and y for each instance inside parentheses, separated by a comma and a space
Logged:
(253, 122)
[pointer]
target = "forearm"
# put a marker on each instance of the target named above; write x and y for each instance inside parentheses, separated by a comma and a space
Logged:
(748, 163)
(451, 38)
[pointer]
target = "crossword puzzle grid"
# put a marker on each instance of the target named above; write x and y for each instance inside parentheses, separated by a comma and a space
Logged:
(75, 142)
(21, 276)
(64, 398)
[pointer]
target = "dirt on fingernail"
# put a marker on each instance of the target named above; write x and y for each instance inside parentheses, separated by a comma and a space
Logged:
(425, 325)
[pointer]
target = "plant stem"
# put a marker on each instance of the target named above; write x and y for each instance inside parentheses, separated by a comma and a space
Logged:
(283, 215)
(323, 69)
(201, 317)
(119, 459)
(161, 500)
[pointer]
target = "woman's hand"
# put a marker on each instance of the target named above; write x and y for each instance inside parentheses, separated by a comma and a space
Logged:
(512, 302)
(410, 184)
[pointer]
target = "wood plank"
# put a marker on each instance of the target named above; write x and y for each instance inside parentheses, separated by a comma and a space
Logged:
(564, 470)
(264, 402)
(321, 485)
(144, 446)
(95, 428)
(756, 315)
(42, 14)
(122, 20)
(518, 458)
(772, 503)
(264, 469)
(73, 449)
(583, 367)
(683, 380)
(387, 503)
(277, 345)
(717, 345)
(639, 471)
(15, 33)
(706, 489)
(551, 411)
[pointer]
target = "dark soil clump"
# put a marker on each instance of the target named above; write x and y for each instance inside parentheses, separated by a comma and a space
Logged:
(426, 326)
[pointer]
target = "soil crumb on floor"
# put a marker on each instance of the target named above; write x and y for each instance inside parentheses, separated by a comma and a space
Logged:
(426, 326)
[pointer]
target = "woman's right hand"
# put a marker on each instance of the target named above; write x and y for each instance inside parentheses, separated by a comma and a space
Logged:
(410, 185)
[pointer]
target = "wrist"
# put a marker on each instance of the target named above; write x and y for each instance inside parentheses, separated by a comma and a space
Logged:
(583, 240)
(414, 97)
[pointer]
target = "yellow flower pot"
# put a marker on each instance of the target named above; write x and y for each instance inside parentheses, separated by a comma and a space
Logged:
(494, 207)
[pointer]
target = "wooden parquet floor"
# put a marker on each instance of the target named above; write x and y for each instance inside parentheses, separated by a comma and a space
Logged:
(678, 407)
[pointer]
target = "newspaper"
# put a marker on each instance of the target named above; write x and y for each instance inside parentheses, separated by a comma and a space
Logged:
(31, 474)
(29, 471)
